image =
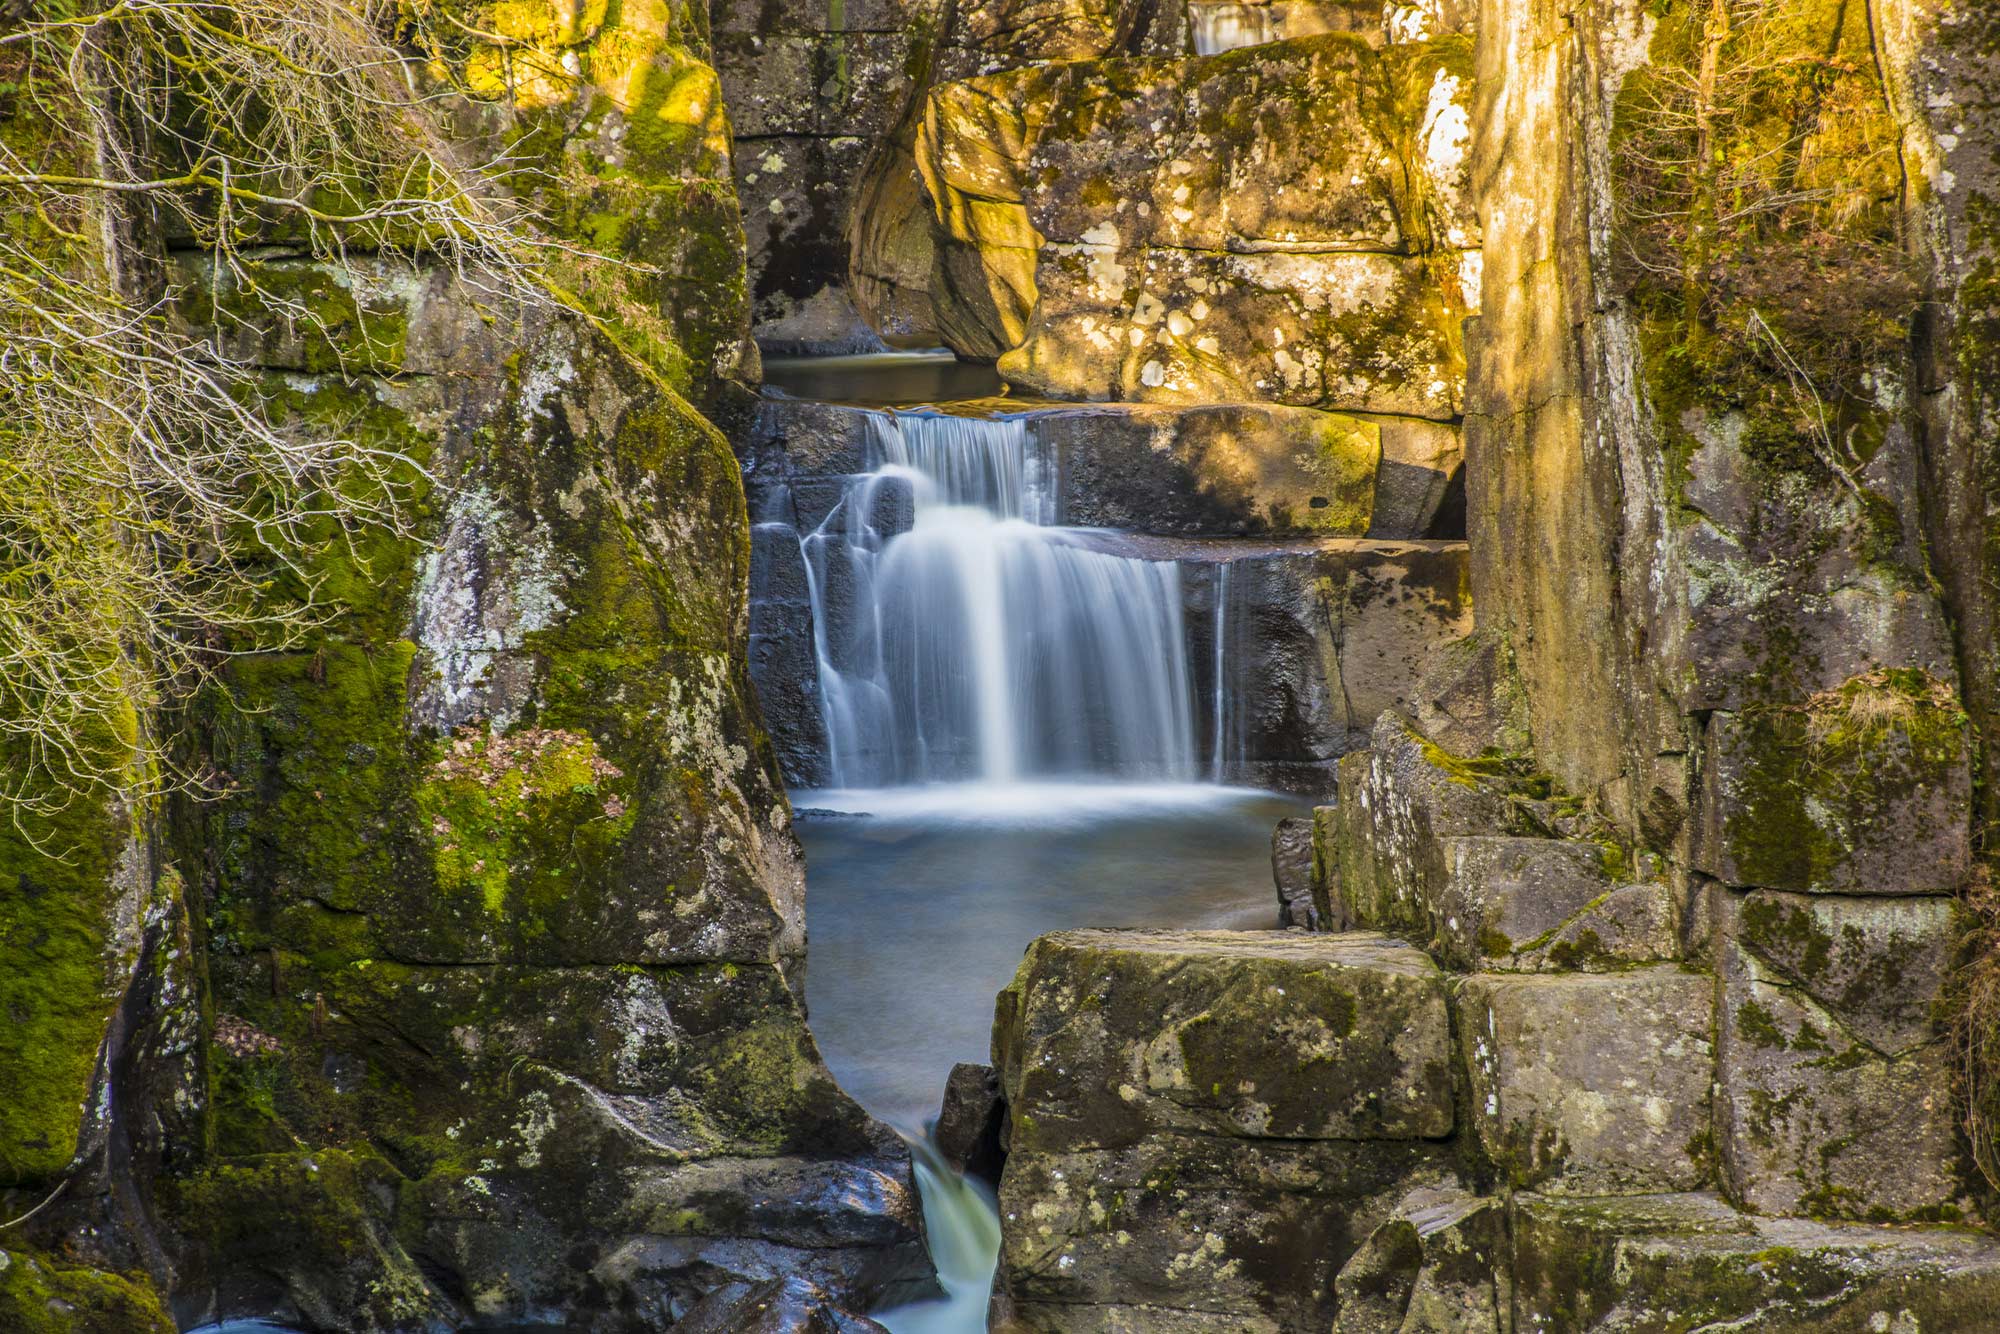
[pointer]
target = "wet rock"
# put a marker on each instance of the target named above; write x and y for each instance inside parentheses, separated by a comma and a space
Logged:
(1224, 469)
(1437, 1265)
(788, 1305)
(1665, 1262)
(1830, 1065)
(1292, 870)
(1591, 1084)
(968, 1130)
(1316, 644)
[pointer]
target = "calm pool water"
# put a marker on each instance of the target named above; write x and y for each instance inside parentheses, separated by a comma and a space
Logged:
(918, 912)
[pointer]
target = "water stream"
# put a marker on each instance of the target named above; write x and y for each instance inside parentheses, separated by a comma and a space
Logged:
(959, 635)
(918, 914)
(1009, 721)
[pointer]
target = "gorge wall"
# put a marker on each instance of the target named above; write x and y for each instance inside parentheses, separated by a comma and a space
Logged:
(1628, 365)
(468, 993)
(1681, 839)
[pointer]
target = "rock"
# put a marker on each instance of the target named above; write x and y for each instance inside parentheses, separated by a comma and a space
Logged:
(1399, 799)
(1829, 1065)
(1328, 905)
(1194, 1232)
(1592, 1084)
(779, 1306)
(1292, 870)
(1316, 643)
(1156, 1180)
(1245, 232)
(968, 1129)
(1217, 470)
(1325, 1037)
(1503, 897)
(1438, 1265)
(1866, 790)
(1468, 699)
(1878, 965)
(1690, 1261)
(1537, 904)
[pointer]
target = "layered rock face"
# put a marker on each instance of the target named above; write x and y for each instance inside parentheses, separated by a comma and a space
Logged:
(474, 998)
(1687, 825)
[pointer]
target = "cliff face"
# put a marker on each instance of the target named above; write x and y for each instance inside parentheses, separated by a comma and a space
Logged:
(472, 991)
(1688, 825)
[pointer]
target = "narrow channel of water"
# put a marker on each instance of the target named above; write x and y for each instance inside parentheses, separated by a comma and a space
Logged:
(918, 914)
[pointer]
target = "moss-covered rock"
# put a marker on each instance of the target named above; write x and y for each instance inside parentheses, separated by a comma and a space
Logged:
(1678, 1263)
(40, 1296)
(1108, 238)
(1201, 1126)
(1865, 788)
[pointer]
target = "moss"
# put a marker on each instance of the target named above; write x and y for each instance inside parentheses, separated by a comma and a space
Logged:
(1808, 781)
(299, 314)
(57, 873)
(498, 807)
(40, 1296)
(1760, 1026)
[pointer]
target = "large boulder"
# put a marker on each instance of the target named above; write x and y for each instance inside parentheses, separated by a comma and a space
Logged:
(1203, 1126)
(1289, 203)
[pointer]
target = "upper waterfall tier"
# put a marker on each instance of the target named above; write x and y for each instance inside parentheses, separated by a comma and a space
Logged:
(958, 636)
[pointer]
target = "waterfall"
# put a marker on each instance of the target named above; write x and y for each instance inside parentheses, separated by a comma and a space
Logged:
(961, 635)
(1220, 735)
(1225, 27)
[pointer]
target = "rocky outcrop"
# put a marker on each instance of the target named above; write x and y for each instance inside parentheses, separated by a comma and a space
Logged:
(1301, 206)
(1253, 1103)
(470, 991)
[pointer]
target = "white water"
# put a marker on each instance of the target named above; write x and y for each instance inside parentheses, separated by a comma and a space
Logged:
(967, 638)
(1226, 27)
(962, 1225)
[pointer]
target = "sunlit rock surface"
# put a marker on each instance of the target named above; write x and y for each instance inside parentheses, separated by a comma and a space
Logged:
(1202, 1126)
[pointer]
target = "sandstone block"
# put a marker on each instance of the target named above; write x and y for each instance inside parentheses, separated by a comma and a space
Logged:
(1677, 1262)
(1107, 1037)
(1537, 904)
(1865, 791)
(1835, 1095)
(1588, 1084)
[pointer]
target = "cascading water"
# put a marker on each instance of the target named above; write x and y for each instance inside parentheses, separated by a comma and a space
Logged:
(960, 635)
(1228, 27)
(1011, 703)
